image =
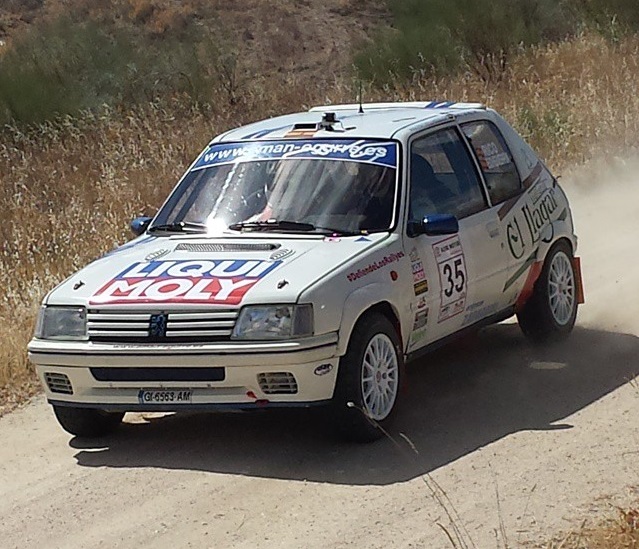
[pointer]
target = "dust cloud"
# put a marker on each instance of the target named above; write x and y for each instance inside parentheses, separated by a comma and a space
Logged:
(604, 198)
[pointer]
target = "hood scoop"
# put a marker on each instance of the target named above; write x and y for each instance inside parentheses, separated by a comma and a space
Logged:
(236, 247)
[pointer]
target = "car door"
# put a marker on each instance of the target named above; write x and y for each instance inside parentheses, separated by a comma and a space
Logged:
(456, 278)
(505, 190)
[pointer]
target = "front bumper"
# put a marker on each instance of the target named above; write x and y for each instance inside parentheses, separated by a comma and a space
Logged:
(312, 361)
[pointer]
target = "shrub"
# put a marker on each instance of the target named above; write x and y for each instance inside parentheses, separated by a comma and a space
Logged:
(436, 36)
(62, 67)
(610, 17)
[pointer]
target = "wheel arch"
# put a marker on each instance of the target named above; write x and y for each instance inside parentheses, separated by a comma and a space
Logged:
(555, 232)
(547, 244)
(364, 301)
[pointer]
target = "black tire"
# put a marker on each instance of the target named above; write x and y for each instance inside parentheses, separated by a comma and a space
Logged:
(353, 419)
(87, 422)
(536, 319)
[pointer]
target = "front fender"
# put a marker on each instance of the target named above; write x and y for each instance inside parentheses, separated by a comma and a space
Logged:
(359, 302)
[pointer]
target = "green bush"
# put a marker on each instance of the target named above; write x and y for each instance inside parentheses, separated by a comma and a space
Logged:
(63, 66)
(437, 36)
(610, 17)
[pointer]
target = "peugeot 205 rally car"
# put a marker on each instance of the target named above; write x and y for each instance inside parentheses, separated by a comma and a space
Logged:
(302, 260)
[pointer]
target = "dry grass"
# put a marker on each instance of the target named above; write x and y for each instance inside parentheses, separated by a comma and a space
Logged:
(69, 188)
(620, 532)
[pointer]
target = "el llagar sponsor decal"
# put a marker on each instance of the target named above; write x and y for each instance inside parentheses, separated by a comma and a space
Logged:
(381, 153)
(375, 266)
(195, 281)
(529, 221)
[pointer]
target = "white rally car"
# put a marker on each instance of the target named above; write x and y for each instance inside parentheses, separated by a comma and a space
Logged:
(302, 260)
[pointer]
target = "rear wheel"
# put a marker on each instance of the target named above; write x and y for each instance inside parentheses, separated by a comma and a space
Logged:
(87, 422)
(551, 312)
(368, 380)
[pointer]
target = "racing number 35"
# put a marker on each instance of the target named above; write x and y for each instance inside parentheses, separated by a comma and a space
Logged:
(452, 276)
(457, 283)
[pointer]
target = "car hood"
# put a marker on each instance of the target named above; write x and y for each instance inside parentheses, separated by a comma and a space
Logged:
(191, 271)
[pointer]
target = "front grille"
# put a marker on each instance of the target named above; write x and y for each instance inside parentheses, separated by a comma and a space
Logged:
(239, 247)
(58, 383)
(158, 374)
(136, 327)
(277, 383)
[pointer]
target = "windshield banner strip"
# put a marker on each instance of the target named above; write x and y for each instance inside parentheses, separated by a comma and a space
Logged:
(380, 153)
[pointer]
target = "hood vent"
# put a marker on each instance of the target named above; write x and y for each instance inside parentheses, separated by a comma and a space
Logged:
(238, 247)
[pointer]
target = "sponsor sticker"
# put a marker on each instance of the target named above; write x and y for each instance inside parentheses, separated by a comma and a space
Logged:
(490, 158)
(421, 319)
(478, 311)
(525, 228)
(375, 266)
(420, 284)
(421, 287)
(195, 281)
(418, 272)
(416, 338)
(381, 153)
(157, 254)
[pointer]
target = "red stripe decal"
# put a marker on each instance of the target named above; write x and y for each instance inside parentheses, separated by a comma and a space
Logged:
(529, 286)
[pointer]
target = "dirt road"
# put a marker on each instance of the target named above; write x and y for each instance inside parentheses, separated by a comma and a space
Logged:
(513, 442)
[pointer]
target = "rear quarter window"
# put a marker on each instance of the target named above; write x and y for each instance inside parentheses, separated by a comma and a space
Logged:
(495, 159)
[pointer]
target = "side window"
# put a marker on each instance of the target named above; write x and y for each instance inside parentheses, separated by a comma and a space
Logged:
(497, 165)
(443, 178)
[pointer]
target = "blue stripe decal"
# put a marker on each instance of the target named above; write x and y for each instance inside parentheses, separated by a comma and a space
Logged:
(440, 104)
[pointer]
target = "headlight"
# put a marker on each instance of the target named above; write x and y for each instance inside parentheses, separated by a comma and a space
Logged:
(62, 323)
(274, 322)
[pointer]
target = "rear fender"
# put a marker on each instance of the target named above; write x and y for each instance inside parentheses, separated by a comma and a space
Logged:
(559, 229)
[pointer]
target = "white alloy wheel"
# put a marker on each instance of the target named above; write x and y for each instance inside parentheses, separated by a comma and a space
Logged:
(561, 288)
(380, 377)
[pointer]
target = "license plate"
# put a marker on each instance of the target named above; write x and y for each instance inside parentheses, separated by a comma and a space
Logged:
(165, 396)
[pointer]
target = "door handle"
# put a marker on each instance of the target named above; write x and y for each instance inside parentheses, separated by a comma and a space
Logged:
(493, 229)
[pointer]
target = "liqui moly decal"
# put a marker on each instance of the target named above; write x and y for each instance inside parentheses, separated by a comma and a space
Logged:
(381, 153)
(197, 281)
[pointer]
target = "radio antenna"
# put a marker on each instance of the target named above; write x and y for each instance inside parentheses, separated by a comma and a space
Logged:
(361, 107)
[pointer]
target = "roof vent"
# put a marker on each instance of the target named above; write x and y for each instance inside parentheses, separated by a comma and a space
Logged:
(306, 126)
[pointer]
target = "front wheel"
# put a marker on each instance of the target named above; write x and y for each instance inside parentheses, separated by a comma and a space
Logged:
(368, 380)
(551, 311)
(87, 422)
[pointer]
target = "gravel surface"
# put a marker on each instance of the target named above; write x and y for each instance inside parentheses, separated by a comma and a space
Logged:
(497, 441)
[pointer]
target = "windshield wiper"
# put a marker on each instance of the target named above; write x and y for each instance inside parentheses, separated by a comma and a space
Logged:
(180, 227)
(272, 224)
(285, 225)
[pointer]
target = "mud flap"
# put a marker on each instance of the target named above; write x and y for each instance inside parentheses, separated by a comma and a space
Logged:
(579, 281)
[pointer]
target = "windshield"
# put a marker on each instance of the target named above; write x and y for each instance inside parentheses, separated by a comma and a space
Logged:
(346, 186)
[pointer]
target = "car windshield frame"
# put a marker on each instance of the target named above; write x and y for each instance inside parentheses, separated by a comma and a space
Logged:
(378, 153)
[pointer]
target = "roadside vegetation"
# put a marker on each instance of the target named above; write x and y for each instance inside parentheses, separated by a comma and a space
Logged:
(70, 182)
(619, 531)
(101, 111)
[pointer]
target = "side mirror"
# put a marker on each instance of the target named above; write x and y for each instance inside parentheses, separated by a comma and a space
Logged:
(140, 224)
(434, 225)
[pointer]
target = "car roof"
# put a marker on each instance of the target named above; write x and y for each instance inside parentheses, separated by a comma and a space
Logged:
(378, 121)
